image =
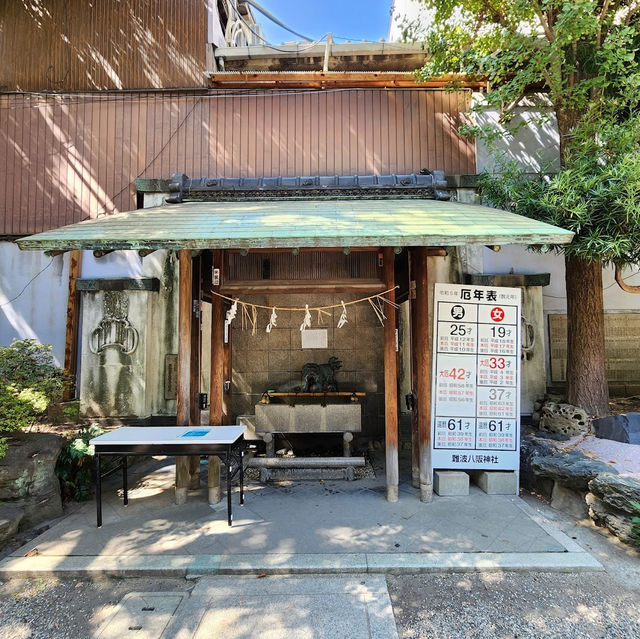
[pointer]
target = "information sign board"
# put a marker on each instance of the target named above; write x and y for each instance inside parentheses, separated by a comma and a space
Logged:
(476, 378)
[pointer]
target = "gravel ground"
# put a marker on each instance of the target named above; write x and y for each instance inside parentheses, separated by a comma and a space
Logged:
(501, 605)
(456, 606)
(68, 609)
(506, 605)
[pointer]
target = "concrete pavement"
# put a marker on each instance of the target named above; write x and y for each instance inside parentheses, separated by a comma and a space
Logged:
(296, 528)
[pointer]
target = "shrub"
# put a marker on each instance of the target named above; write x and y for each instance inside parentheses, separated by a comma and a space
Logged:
(75, 465)
(29, 382)
(636, 523)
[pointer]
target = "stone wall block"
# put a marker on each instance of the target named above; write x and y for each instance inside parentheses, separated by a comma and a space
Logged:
(279, 339)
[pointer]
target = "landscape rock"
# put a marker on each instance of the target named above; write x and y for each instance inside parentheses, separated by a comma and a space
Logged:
(564, 419)
(619, 428)
(618, 522)
(569, 501)
(10, 517)
(571, 470)
(617, 491)
(530, 447)
(556, 437)
(28, 479)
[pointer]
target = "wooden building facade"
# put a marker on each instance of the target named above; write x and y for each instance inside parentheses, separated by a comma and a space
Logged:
(126, 92)
(70, 157)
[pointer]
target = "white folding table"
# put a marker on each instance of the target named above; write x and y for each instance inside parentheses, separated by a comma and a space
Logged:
(227, 442)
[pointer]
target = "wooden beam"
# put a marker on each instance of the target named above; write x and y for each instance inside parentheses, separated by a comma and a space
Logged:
(308, 249)
(390, 380)
(72, 324)
(184, 366)
(302, 287)
(421, 369)
(194, 370)
(320, 79)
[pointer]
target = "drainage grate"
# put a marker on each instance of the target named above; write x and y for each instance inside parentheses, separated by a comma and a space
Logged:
(143, 615)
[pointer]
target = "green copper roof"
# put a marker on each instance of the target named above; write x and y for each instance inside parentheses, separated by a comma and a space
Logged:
(300, 223)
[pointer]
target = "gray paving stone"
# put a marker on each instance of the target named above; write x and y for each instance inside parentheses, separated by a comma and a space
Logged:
(294, 563)
(313, 607)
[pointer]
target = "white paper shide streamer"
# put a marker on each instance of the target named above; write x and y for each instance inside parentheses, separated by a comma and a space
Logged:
(249, 312)
(272, 320)
(306, 322)
(343, 316)
(231, 313)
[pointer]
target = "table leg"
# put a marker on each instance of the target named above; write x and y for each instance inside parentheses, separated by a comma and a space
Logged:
(242, 475)
(229, 515)
(124, 480)
(98, 491)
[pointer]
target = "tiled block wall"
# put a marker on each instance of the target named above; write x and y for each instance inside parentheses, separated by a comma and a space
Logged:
(266, 361)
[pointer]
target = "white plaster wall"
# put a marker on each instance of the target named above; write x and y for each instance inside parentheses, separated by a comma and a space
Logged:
(521, 260)
(116, 264)
(40, 312)
(410, 10)
(531, 139)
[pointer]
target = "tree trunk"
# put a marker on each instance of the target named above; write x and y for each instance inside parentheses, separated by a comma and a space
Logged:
(586, 364)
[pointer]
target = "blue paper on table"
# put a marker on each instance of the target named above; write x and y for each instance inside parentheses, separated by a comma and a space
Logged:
(196, 433)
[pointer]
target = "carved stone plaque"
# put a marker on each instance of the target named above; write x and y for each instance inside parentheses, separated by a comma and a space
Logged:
(170, 376)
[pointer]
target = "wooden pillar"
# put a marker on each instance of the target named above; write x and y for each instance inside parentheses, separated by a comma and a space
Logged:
(421, 368)
(194, 376)
(227, 374)
(390, 381)
(217, 376)
(415, 452)
(73, 313)
(184, 367)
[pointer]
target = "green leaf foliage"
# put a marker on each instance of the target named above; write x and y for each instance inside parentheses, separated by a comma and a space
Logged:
(29, 382)
(596, 195)
(584, 56)
(75, 468)
(635, 520)
(577, 51)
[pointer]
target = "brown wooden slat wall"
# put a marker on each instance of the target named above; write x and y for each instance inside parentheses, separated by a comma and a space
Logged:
(68, 158)
(71, 45)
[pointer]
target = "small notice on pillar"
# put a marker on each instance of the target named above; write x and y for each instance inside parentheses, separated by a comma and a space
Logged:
(476, 378)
